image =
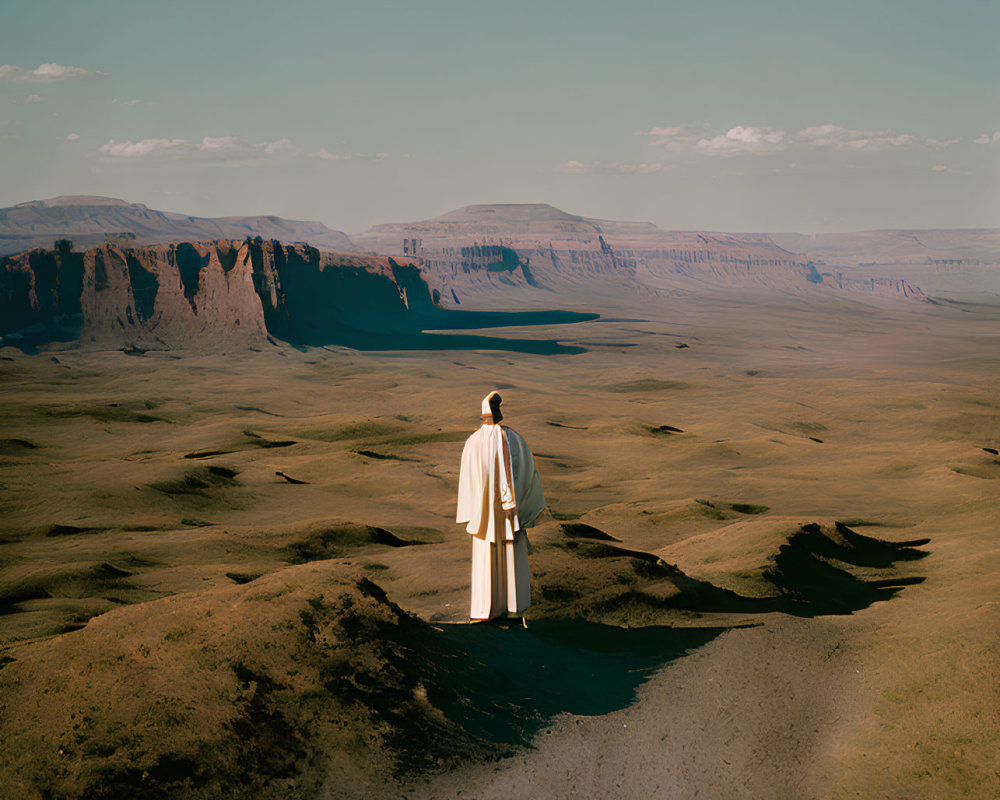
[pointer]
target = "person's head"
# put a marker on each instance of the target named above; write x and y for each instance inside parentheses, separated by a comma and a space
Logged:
(491, 408)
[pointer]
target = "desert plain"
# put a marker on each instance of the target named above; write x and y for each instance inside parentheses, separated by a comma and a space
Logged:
(769, 567)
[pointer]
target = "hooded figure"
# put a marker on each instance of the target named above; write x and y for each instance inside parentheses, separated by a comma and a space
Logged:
(499, 496)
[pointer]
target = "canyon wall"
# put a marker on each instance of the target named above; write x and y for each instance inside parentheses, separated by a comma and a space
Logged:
(205, 295)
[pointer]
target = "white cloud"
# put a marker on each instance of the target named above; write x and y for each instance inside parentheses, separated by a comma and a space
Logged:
(72, 137)
(325, 155)
(737, 141)
(610, 168)
(882, 142)
(821, 135)
(837, 136)
(29, 100)
(673, 138)
(746, 140)
(118, 102)
(988, 139)
(662, 133)
(44, 73)
(742, 140)
(145, 148)
(217, 148)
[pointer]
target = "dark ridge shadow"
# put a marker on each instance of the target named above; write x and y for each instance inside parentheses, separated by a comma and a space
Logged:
(207, 453)
(584, 531)
(290, 479)
(661, 430)
(70, 530)
(501, 684)
(808, 584)
(111, 412)
(337, 541)
(256, 440)
(14, 447)
(857, 549)
(258, 410)
(381, 456)
(749, 508)
(252, 440)
(802, 574)
(646, 385)
(243, 577)
(102, 580)
(198, 481)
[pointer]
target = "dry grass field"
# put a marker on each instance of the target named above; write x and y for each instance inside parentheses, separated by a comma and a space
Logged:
(238, 574)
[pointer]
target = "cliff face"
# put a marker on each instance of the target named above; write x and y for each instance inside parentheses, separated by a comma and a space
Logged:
(217, 295)
(482, 253)
(308, 296)
(679, 259)
(170, 296)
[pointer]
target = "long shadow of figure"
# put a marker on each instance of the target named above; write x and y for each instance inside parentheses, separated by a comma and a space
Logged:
(501, 684)
(497, 685)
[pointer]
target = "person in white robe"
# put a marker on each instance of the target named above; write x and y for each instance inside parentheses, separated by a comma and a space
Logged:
(499, 497)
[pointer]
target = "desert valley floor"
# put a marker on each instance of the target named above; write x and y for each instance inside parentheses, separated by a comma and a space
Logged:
(202, 557)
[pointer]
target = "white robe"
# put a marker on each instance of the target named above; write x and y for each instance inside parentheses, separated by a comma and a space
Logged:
(498, 474)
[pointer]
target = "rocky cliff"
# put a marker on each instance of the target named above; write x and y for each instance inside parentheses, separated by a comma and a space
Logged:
(214, 295)
(230, 295)
(480, 251)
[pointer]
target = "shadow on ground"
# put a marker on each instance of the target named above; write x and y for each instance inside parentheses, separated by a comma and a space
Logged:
(817, 571)
(502, 683)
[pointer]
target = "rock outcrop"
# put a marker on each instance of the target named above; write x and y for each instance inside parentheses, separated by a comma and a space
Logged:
(485, 250)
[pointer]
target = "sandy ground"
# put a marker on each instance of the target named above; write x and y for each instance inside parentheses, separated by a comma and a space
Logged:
(130, 482)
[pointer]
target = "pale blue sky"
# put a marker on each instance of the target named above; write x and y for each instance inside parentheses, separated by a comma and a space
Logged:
(718, 114)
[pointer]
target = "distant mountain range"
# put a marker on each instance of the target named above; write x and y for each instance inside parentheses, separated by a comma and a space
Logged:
(534, 255)
(89, 221)
(481, 253)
